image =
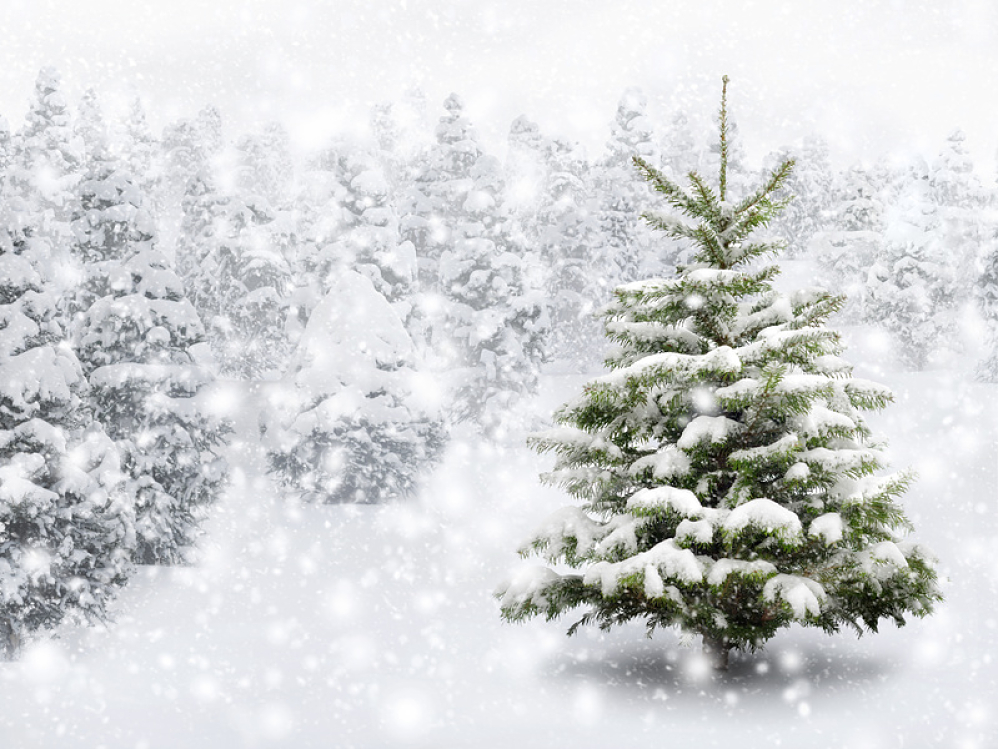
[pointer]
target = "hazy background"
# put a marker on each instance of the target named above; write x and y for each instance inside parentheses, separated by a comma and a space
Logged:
(874, 77)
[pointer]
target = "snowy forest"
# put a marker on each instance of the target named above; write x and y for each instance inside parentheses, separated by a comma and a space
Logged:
(184, 309)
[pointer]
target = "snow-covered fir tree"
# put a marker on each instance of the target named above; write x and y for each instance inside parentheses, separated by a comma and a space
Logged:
(138, 345)
(477, 320)
(810, 185)
(680, 154)
(191, 148)
(554, 215)
(6, 152)
(728, 483)
(370, 241)
(913, 288)
(237, 279)
(134, 331)
(441, 179)
(620, 190)
(320, 220)
(45, 169)
(66, 528)
(264, 166)
(495, 324)
(987, 298)
(89, 125)
(845, 249)
(108, 225)
(356, 430)
(967, 226)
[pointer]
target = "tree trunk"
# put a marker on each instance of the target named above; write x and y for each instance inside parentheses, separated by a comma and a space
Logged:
(716, 650)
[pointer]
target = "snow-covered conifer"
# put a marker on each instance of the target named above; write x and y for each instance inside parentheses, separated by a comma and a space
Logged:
(845, 249)
(553, 216)
(441, 179)
(478, 322)
(137, 345)
(90, 126)
(236, 278)
(680, 155)
(728, 482)
(66, 529)
(987, 298)
(190, 149)
(810, 185)
(134, 330)
(358, 432)
(626, 241)
(264, 165)
(370, 241)
(913, 287)
(492, 341)
(44, 171)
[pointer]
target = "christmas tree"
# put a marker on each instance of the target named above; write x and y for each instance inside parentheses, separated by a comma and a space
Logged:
(728, 482)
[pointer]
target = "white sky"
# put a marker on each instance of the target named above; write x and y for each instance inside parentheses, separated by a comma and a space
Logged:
(875, 77)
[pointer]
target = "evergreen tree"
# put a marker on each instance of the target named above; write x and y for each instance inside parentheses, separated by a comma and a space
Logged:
(679, 150)
(137, 345)
(626, 240)
(553, 214)
(913, 289)
(6, 150)
(967, 227)
(356, 431)
(477, 322)
(845, 249)
(134, 331)
(44, 171)
(264, 165)
(495, 325)
(66, 529)
(321, 219)
(370, 240)
(438, 189)
(987, 298)
(141, 149)
(810, 184)
(236, 278)
(728, 481)
(90, 126)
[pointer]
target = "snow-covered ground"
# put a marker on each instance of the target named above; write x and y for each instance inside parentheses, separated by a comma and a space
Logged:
(366, 626)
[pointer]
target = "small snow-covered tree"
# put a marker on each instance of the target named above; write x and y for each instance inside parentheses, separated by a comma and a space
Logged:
(5, 148)
(492, 337)
(680, 155)
(437, 189)
(728, 482)
(357, 431)
(66, 529)
(370, 241)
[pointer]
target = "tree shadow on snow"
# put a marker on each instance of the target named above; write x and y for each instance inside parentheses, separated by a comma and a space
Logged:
(793, 674)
